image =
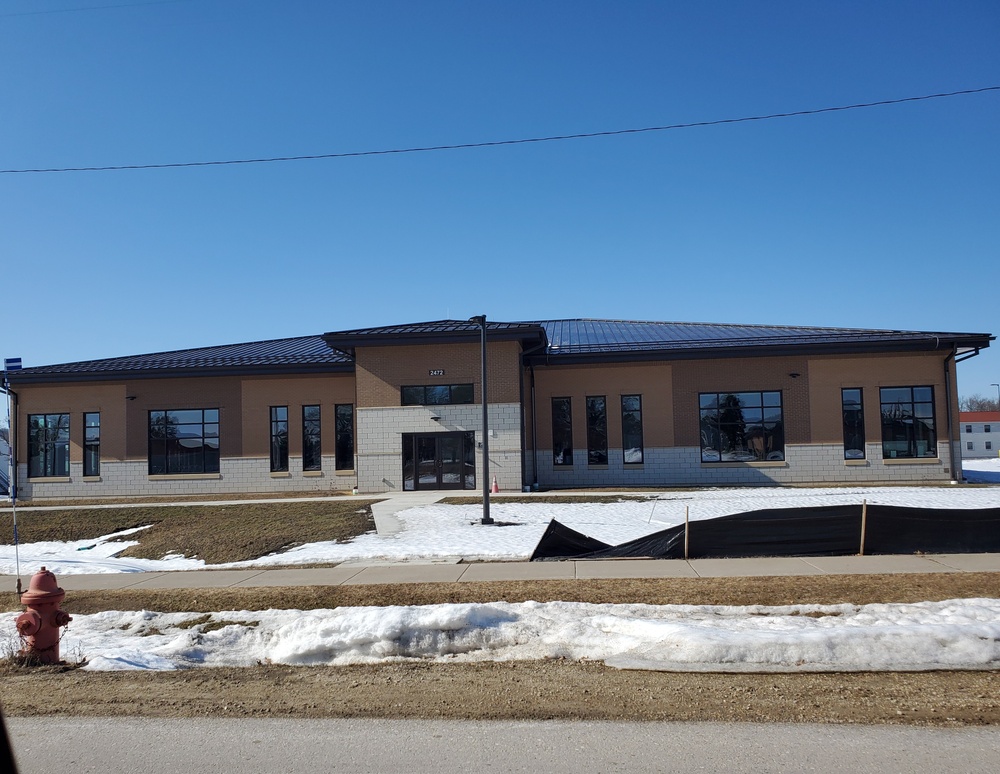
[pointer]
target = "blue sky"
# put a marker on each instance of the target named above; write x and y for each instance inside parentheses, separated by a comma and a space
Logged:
(886, 217)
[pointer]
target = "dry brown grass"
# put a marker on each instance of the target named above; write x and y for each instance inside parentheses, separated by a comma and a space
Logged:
(827, 589)
(213, 533)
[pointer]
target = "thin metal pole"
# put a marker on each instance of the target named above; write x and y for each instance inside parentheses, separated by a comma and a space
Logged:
(11, 486)
(481, 319)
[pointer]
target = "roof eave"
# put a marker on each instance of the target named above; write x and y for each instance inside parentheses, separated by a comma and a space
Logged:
(759, 350)
(49, 377)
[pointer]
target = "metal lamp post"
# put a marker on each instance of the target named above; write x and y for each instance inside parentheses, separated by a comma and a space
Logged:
(998, 394)
(480, 320)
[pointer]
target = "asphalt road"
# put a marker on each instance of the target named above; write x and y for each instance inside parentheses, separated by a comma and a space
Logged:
(150, 746)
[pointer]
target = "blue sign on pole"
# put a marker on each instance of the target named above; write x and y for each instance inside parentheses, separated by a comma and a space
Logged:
(12, 364)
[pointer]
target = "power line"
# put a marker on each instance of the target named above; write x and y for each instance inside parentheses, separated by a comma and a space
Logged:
(498, 143)
(90, 8)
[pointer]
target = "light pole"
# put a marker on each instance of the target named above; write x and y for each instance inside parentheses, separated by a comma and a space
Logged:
(994, 384)
(480, 320)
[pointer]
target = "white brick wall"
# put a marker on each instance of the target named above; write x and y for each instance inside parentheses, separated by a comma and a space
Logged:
(379, 434)
(239, 475)
(682, 466)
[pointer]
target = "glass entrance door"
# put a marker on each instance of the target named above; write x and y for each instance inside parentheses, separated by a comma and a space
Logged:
(439, 461)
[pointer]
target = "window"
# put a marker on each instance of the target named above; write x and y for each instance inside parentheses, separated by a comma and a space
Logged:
(854, 424)
(437, 394)
(312, 450)
(741, 426)
(632, 429)
(562, 431)
(968, 428)
(344, 440)
(48, 445)
(279, 439)
(597, 431)
(92, 444)
(908, 422)
(970, 445)
(986, 428)
(989, 445)
(183, 441)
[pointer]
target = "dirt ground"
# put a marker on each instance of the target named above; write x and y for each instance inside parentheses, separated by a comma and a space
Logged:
(524, 690)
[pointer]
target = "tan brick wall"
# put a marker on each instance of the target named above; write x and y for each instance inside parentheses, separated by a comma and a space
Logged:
(223, 393)
(651, 381)
(381, 371)
(738, 375)
(259, 394)
(827, 375)
(107, 398)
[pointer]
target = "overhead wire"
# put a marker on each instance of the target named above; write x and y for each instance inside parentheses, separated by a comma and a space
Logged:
(500, 143)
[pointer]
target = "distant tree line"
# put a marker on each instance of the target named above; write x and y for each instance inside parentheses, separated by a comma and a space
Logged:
(978, 403)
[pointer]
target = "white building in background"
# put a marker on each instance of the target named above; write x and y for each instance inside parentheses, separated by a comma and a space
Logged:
(980, 434)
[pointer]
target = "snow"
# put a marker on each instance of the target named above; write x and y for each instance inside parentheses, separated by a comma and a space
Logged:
(956, 634)
(447, 532)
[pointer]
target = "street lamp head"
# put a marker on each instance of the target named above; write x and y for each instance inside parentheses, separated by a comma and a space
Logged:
(479, 319)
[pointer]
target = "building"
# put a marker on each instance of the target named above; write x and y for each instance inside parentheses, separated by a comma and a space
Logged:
(572, 403)
(980, 434)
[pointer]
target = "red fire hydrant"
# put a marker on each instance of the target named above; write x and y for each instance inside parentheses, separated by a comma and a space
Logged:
(39, 624)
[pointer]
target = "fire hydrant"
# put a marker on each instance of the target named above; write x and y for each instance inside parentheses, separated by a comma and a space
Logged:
(39, 624)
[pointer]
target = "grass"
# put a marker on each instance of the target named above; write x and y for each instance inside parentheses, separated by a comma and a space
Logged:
(820, 590)
(213, 533)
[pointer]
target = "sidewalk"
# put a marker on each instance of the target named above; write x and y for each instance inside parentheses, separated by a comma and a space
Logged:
(352, 574)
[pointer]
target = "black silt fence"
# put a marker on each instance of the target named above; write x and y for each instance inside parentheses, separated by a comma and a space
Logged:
(834, 530)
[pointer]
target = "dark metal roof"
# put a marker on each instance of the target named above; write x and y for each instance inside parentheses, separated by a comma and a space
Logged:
(437, 332)
(584, 339)
(294, 355)
(551, 341)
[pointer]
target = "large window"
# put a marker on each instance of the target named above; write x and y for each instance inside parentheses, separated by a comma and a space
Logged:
(562, 431)
(908, 422)
(183, 441)
(92, 444)
(854, 424)
(741, 426)
(48, 445)
(597, 431)
(344, 439)
(632, 429)
(312, 449)
(279, 439)
(437, 394)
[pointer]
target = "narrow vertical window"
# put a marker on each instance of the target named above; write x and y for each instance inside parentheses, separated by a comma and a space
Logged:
(279, 439)
(597, 431)
(344, 436)
(854, 424)
(970, 445)
(312, 451)
(562, 431)
(632, 429)
(92, 444)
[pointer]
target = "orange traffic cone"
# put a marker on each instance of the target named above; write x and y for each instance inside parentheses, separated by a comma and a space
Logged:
(495, 489)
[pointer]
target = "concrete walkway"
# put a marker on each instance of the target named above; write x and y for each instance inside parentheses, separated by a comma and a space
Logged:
(353, 574)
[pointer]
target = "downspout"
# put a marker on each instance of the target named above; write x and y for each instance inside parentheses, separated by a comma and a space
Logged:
(534, 433)
(947, 396)
(12, 430)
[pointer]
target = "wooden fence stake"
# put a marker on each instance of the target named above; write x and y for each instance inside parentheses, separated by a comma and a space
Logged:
(864, 524)
(686, 525)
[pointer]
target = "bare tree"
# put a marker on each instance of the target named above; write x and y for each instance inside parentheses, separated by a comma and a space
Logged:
(977, 403)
